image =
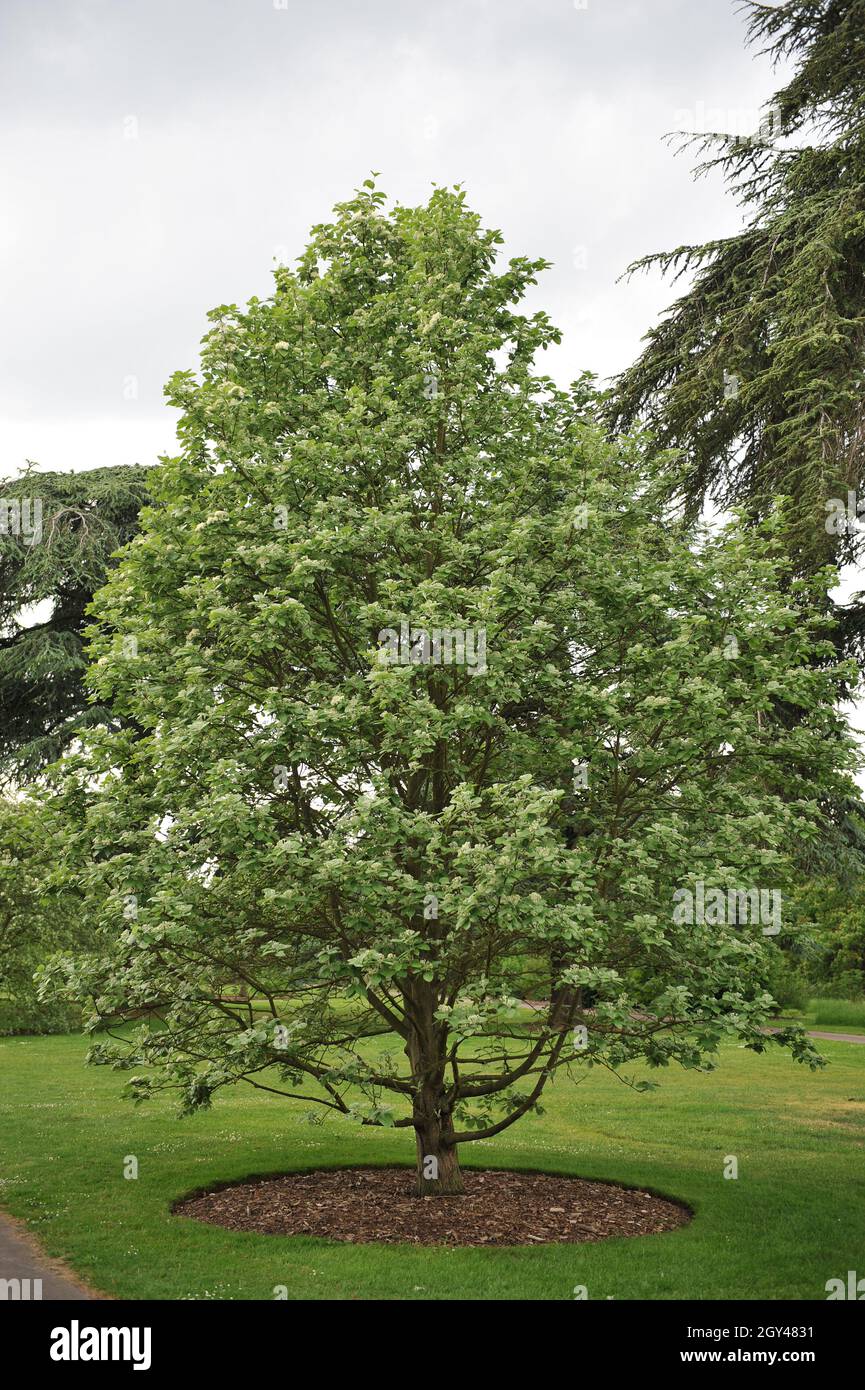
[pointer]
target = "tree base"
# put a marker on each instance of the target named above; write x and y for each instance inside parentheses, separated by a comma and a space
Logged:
(438, 1171)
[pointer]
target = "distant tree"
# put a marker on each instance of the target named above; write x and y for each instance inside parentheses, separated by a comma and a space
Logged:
(37, 918)
(832, 917)
(430, 683)
(58, 532)
(757, 373)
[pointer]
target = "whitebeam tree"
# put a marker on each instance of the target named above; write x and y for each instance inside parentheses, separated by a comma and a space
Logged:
(437, 699)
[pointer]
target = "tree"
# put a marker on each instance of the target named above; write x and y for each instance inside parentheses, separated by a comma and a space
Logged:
(36, 919)
(756, 373)
(431, 683)
(58, 532)
(832, 914)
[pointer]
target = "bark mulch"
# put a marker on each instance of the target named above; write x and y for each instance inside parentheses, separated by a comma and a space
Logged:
(362, 1205)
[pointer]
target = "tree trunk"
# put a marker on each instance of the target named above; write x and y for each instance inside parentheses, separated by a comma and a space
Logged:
(438, 1164)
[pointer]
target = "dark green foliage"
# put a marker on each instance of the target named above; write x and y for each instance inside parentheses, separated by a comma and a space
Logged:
(37, 919)
(832, 914)
(85, 518)
(786, 982)
(758, 371)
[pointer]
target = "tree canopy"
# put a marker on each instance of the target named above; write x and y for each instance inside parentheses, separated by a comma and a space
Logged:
(433, 691)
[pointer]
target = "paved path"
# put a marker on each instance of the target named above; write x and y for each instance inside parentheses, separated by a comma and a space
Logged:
(21, 1258)
(827, 1037)
(838, 1037)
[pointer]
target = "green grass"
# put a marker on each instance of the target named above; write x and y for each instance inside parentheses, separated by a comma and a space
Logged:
(842, 1015)
(794, 1218)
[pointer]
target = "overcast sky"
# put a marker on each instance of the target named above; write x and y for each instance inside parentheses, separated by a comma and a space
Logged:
(157, 156)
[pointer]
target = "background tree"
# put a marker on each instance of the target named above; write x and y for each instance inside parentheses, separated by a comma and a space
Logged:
(46, 583)
(37, 918)
(832, 914)
(369, 840)
(757, 373)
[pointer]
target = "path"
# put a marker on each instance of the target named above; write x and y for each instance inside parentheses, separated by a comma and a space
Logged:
(838, 1037)
(21, 1258)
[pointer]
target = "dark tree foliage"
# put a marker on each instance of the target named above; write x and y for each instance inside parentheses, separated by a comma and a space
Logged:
(757, 373)
(47, 579)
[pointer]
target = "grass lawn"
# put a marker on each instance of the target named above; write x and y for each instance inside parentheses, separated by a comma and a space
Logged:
(838, 1015)
(794, 1218)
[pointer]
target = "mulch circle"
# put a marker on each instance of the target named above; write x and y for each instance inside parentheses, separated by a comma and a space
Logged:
(364, 1205)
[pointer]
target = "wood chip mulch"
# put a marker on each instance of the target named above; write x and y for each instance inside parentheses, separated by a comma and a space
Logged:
(362, 1205)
